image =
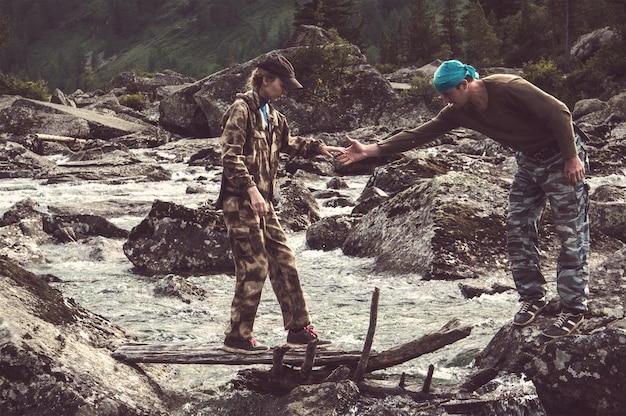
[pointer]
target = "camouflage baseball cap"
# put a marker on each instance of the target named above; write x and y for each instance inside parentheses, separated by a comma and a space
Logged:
(278, 65)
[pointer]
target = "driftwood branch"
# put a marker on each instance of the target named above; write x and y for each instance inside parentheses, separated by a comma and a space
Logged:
(55, 138)
(478, 380)
(367, 348)
(448, 334)
(472, 384)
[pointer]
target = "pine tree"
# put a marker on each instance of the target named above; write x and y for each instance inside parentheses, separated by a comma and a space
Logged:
(422, 32)
(341, 15)
(527, 35)
(482, 44)
(5, 32)
(450, 26)
(501, 9)
(402, 49)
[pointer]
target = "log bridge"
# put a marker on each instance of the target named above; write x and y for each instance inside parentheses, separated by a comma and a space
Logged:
(293, 367)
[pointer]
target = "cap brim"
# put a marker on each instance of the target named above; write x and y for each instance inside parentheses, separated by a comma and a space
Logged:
(292, 83)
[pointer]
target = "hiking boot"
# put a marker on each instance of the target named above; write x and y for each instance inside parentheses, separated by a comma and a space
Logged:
(565, 324)
(301, 337)
(528, 312)
(243, 346)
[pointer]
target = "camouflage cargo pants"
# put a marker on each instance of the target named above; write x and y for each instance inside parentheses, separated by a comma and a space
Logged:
(259, 248)
(535, 183)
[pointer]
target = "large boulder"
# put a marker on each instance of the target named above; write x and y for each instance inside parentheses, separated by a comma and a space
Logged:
(56, 356)
(25, 226)
(606, 129)
(361, 98)
(296, 205)
(588, 44)
(21, 117)
(176, 239)
(103, 161)
(406, 75)
(76, 227)
(580, 374)
(152, 85)
(447, 227)
(16, 161)
(330, 232)
(607, 212)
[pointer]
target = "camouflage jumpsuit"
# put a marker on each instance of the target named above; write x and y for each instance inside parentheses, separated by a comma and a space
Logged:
(250, 156)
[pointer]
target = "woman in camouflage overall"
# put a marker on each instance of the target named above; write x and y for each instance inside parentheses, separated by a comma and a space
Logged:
(254, 133)
(551, 163)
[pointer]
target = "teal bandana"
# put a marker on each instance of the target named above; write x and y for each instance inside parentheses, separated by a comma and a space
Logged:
(451, 73)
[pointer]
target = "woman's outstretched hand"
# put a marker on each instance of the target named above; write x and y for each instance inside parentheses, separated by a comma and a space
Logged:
(331, 151)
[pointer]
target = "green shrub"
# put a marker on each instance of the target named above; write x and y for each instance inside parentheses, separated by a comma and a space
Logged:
(11, 85)
(323, 69)
(136, 101)
(386, 68)
(545, 75)
(144, 74)
(423, 88)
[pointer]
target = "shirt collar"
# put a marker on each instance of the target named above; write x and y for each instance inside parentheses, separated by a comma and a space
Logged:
(263, 101)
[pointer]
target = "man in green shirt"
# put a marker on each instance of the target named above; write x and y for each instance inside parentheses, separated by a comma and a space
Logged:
(551, 167)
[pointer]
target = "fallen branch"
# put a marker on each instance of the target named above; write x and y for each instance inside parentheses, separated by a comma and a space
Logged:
(55, 138)
(460, 394)
(448, 334)
(367, 348)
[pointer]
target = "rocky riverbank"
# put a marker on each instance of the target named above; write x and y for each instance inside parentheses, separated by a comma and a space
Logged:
(438, 212)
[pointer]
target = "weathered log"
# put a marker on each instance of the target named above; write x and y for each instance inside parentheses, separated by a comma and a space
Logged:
(55, 138)
(369, 339)
(448, 334)
(479, 379)
(187, 353)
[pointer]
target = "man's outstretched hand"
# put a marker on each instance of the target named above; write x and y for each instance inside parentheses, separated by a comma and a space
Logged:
(357, 151)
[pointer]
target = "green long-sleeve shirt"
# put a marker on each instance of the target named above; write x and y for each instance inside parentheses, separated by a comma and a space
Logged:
(519, 115)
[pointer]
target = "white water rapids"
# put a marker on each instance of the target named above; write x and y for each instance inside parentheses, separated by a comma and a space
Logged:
(338, 288)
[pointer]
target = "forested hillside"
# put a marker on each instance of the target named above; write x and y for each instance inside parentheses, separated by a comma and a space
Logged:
(73, 44)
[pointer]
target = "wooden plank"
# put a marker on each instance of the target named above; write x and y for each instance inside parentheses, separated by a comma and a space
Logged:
(188, 353)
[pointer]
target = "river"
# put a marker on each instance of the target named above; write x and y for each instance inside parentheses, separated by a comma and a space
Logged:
(338, 288)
